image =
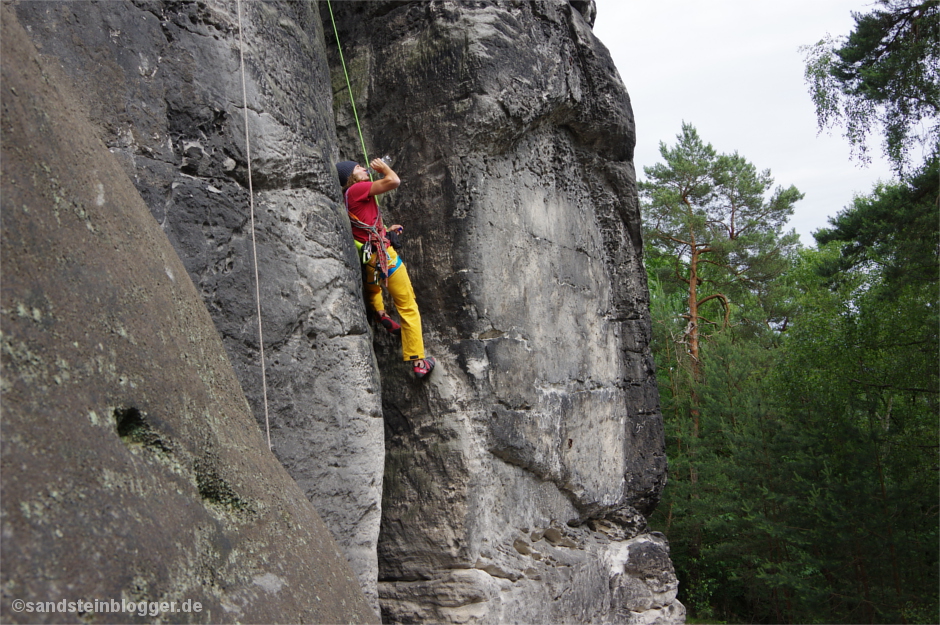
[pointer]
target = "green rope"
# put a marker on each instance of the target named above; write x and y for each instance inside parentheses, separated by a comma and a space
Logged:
(342, 60)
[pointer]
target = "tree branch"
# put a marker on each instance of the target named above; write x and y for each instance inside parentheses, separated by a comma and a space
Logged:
(724, 301)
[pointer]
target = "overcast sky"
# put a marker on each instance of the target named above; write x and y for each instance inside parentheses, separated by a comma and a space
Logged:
(733, 70)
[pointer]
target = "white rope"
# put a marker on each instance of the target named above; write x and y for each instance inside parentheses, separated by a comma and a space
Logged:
(251, 206)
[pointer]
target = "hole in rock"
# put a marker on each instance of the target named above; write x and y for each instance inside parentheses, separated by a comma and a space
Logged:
(130, 423)
(132, 427)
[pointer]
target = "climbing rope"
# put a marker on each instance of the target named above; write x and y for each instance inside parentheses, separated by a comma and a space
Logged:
(352, 101)
(251, 195)
(251, 207)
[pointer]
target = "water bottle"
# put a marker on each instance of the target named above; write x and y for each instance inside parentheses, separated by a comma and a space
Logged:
(385, 159)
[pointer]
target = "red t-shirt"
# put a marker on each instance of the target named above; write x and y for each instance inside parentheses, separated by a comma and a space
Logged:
(363, 207)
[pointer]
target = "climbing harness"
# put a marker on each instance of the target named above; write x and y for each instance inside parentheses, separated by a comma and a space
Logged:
(376, 244)
(251, 206)
(375, 241)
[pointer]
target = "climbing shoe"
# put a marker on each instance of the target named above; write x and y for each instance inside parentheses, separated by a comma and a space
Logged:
(388, 323)
(424, 366)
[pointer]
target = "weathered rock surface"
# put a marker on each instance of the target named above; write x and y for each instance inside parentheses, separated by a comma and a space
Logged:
(518, 475)
(162, 81)
(132, 469)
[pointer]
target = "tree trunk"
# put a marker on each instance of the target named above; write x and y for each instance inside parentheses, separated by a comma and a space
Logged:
(693, 338)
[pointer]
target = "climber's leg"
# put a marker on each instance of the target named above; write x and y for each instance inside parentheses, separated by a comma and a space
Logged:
(399, 287)
(373, 293)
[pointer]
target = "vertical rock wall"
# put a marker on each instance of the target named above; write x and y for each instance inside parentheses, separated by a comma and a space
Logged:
(132, 472)
(163, 83)
(517, 476)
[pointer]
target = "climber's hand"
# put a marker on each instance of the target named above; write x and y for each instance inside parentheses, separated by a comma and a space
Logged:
(380, 166)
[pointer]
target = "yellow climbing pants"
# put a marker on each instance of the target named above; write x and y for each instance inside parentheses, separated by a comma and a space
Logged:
(399, 287)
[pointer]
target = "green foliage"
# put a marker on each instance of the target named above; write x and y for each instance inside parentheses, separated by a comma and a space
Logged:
(809, 491)
(802, 432)
(885, 73)
(860, 373)
(896, 228)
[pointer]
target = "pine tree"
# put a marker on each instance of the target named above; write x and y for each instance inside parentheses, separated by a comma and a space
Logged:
(715, 219)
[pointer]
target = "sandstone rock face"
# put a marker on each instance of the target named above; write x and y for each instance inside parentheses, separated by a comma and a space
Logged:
(518, 475)
(132, 468)
(163, 83)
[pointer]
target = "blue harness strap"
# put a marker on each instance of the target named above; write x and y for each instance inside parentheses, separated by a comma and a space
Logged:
(391, 270)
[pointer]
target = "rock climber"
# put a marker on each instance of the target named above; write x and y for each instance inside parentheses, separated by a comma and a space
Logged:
(381, 262)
